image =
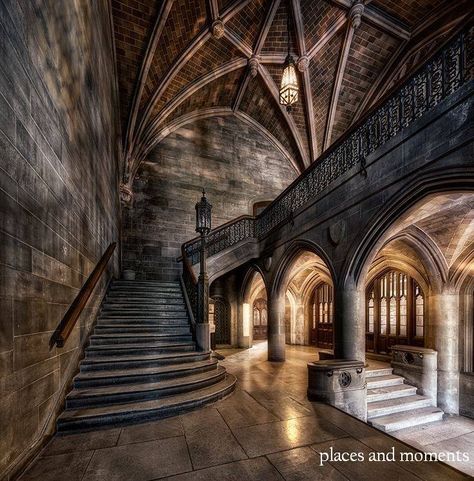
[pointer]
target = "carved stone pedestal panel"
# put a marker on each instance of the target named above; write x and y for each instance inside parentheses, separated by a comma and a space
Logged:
(419, 367)
(340, 383)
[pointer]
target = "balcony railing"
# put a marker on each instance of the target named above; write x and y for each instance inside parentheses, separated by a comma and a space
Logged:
(445, 73)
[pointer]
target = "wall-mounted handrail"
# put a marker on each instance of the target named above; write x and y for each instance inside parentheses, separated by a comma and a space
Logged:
(445, 72)
(69, 320)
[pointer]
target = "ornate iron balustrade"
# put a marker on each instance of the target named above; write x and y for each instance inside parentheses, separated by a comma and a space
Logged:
(442, 75)
(221, 238)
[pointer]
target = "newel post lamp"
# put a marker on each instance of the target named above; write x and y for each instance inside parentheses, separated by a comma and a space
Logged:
(203, 227)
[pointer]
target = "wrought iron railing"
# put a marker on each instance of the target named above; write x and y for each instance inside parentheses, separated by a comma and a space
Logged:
(442, 75)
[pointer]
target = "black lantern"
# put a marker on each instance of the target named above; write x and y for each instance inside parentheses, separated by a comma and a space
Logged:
(289, 82)
(203, 215)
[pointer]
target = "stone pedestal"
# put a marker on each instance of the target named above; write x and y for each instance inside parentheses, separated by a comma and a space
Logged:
(419, 367)
(203, 339)
(340, 383)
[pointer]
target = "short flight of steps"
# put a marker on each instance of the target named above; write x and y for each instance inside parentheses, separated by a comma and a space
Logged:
(394, 405)
(141, 362)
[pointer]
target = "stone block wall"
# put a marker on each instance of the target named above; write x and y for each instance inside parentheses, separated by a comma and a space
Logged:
(59, 207)
(234, 163)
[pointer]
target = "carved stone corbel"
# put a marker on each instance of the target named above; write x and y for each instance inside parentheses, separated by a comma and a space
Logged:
(126, 195)
(355, 13)
(218, 28)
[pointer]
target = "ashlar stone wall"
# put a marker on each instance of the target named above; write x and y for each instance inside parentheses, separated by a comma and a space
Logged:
(236, 165)
(59, 206)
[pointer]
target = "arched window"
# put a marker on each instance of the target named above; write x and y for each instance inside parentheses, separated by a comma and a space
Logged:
(322, 316)
(395, 312)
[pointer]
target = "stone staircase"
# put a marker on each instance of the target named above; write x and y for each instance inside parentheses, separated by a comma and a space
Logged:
(142, 363)
(394, 405)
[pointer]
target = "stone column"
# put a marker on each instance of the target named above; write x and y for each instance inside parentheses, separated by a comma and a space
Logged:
(349, 323)
(276, 327)
(442, 335)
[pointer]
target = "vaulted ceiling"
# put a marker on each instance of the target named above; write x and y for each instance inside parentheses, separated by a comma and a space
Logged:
(180, 60)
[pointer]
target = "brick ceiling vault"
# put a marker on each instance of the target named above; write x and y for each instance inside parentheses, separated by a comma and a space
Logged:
(180, 60)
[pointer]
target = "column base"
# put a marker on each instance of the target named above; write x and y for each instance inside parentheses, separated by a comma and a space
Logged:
(203, 338)
(339, 383)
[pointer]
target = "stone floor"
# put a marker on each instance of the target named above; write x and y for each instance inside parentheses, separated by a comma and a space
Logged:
(265, 431)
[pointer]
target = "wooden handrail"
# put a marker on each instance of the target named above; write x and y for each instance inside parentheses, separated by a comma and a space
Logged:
(69, 320)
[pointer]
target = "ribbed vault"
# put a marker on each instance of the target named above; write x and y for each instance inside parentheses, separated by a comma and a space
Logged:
(176, 58)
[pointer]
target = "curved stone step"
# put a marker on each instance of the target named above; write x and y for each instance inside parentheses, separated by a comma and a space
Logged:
(141, 374)
(87, 418)
(415, 417)
(133, 349)
(127, 360)
(118, 394)
(390, 392)
(396, 405)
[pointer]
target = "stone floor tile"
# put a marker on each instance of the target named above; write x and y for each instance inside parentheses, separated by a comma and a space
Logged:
(269, 438)
(162, 429)
(303, 464)
(283, 406)
(70, 466)
(140, 462)
(363, 471)
(209, 439)
(199, 420)
(65, 443)
(461, 444)
(258, 469)
(436, 432)
(242, 410)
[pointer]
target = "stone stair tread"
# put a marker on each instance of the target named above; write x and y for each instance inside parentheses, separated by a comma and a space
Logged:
(117, 325)
(146, 357)
(119, 335)
(178, 401)
(382, 379)
(400, 389)
(141, 345)
(144, 386)
(407, 402)
(141, 371)
(384, 371)
(414, 417)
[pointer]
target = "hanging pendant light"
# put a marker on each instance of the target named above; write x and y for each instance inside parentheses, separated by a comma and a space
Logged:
(289, 82)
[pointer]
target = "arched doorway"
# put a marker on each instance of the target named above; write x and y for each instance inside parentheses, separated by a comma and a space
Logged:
(254, 308)
(308, 288)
